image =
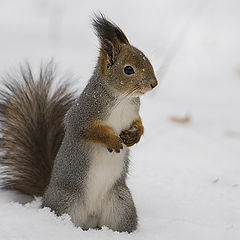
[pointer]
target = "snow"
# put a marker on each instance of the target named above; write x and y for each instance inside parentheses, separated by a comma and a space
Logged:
(185, 177)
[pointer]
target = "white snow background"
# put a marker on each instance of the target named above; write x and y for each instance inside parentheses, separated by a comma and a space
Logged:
(185, 178)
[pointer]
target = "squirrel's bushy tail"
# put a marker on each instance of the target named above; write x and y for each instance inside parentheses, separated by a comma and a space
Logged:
(31, 123)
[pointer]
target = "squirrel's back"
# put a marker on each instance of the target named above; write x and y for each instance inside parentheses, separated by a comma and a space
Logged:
(31, 116)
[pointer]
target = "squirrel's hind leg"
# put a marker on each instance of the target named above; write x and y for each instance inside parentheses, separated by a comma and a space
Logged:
(119, 213)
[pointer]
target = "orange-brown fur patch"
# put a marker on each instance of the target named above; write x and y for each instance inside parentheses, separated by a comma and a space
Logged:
(102, 133)
(139, 124)
(133, 134)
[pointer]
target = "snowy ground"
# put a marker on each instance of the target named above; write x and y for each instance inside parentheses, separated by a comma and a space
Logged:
(185, 178)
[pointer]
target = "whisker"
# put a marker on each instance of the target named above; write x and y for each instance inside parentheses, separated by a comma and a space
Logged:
(125, 95)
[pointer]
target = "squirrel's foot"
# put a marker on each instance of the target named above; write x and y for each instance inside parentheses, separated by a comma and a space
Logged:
(131, 136)
(115, 144)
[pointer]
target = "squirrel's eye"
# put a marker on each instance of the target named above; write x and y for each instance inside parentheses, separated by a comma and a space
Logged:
(128, 70)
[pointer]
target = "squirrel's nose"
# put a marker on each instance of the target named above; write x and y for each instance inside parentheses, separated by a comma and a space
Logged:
(154, 83)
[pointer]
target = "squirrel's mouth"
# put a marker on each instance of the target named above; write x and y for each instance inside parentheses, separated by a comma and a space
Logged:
(143, 90)
(142, 87)
(139, 90)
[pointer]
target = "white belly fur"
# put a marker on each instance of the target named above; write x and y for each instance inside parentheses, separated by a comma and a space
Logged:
(107, 167)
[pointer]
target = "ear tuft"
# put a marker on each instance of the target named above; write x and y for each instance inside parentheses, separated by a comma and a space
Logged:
(107, 30)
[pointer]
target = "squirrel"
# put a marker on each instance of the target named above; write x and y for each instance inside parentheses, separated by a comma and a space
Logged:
(74, 152)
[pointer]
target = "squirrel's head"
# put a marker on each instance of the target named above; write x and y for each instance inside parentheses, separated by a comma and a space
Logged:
(124, 67)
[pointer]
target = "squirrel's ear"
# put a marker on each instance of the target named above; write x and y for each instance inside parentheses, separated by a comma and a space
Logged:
(111, 37)
(108, 49)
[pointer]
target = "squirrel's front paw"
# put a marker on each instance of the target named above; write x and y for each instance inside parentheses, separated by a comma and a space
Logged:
(131, 136)
(115, 144)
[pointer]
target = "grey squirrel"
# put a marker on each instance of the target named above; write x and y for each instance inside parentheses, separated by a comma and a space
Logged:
(75, 152)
